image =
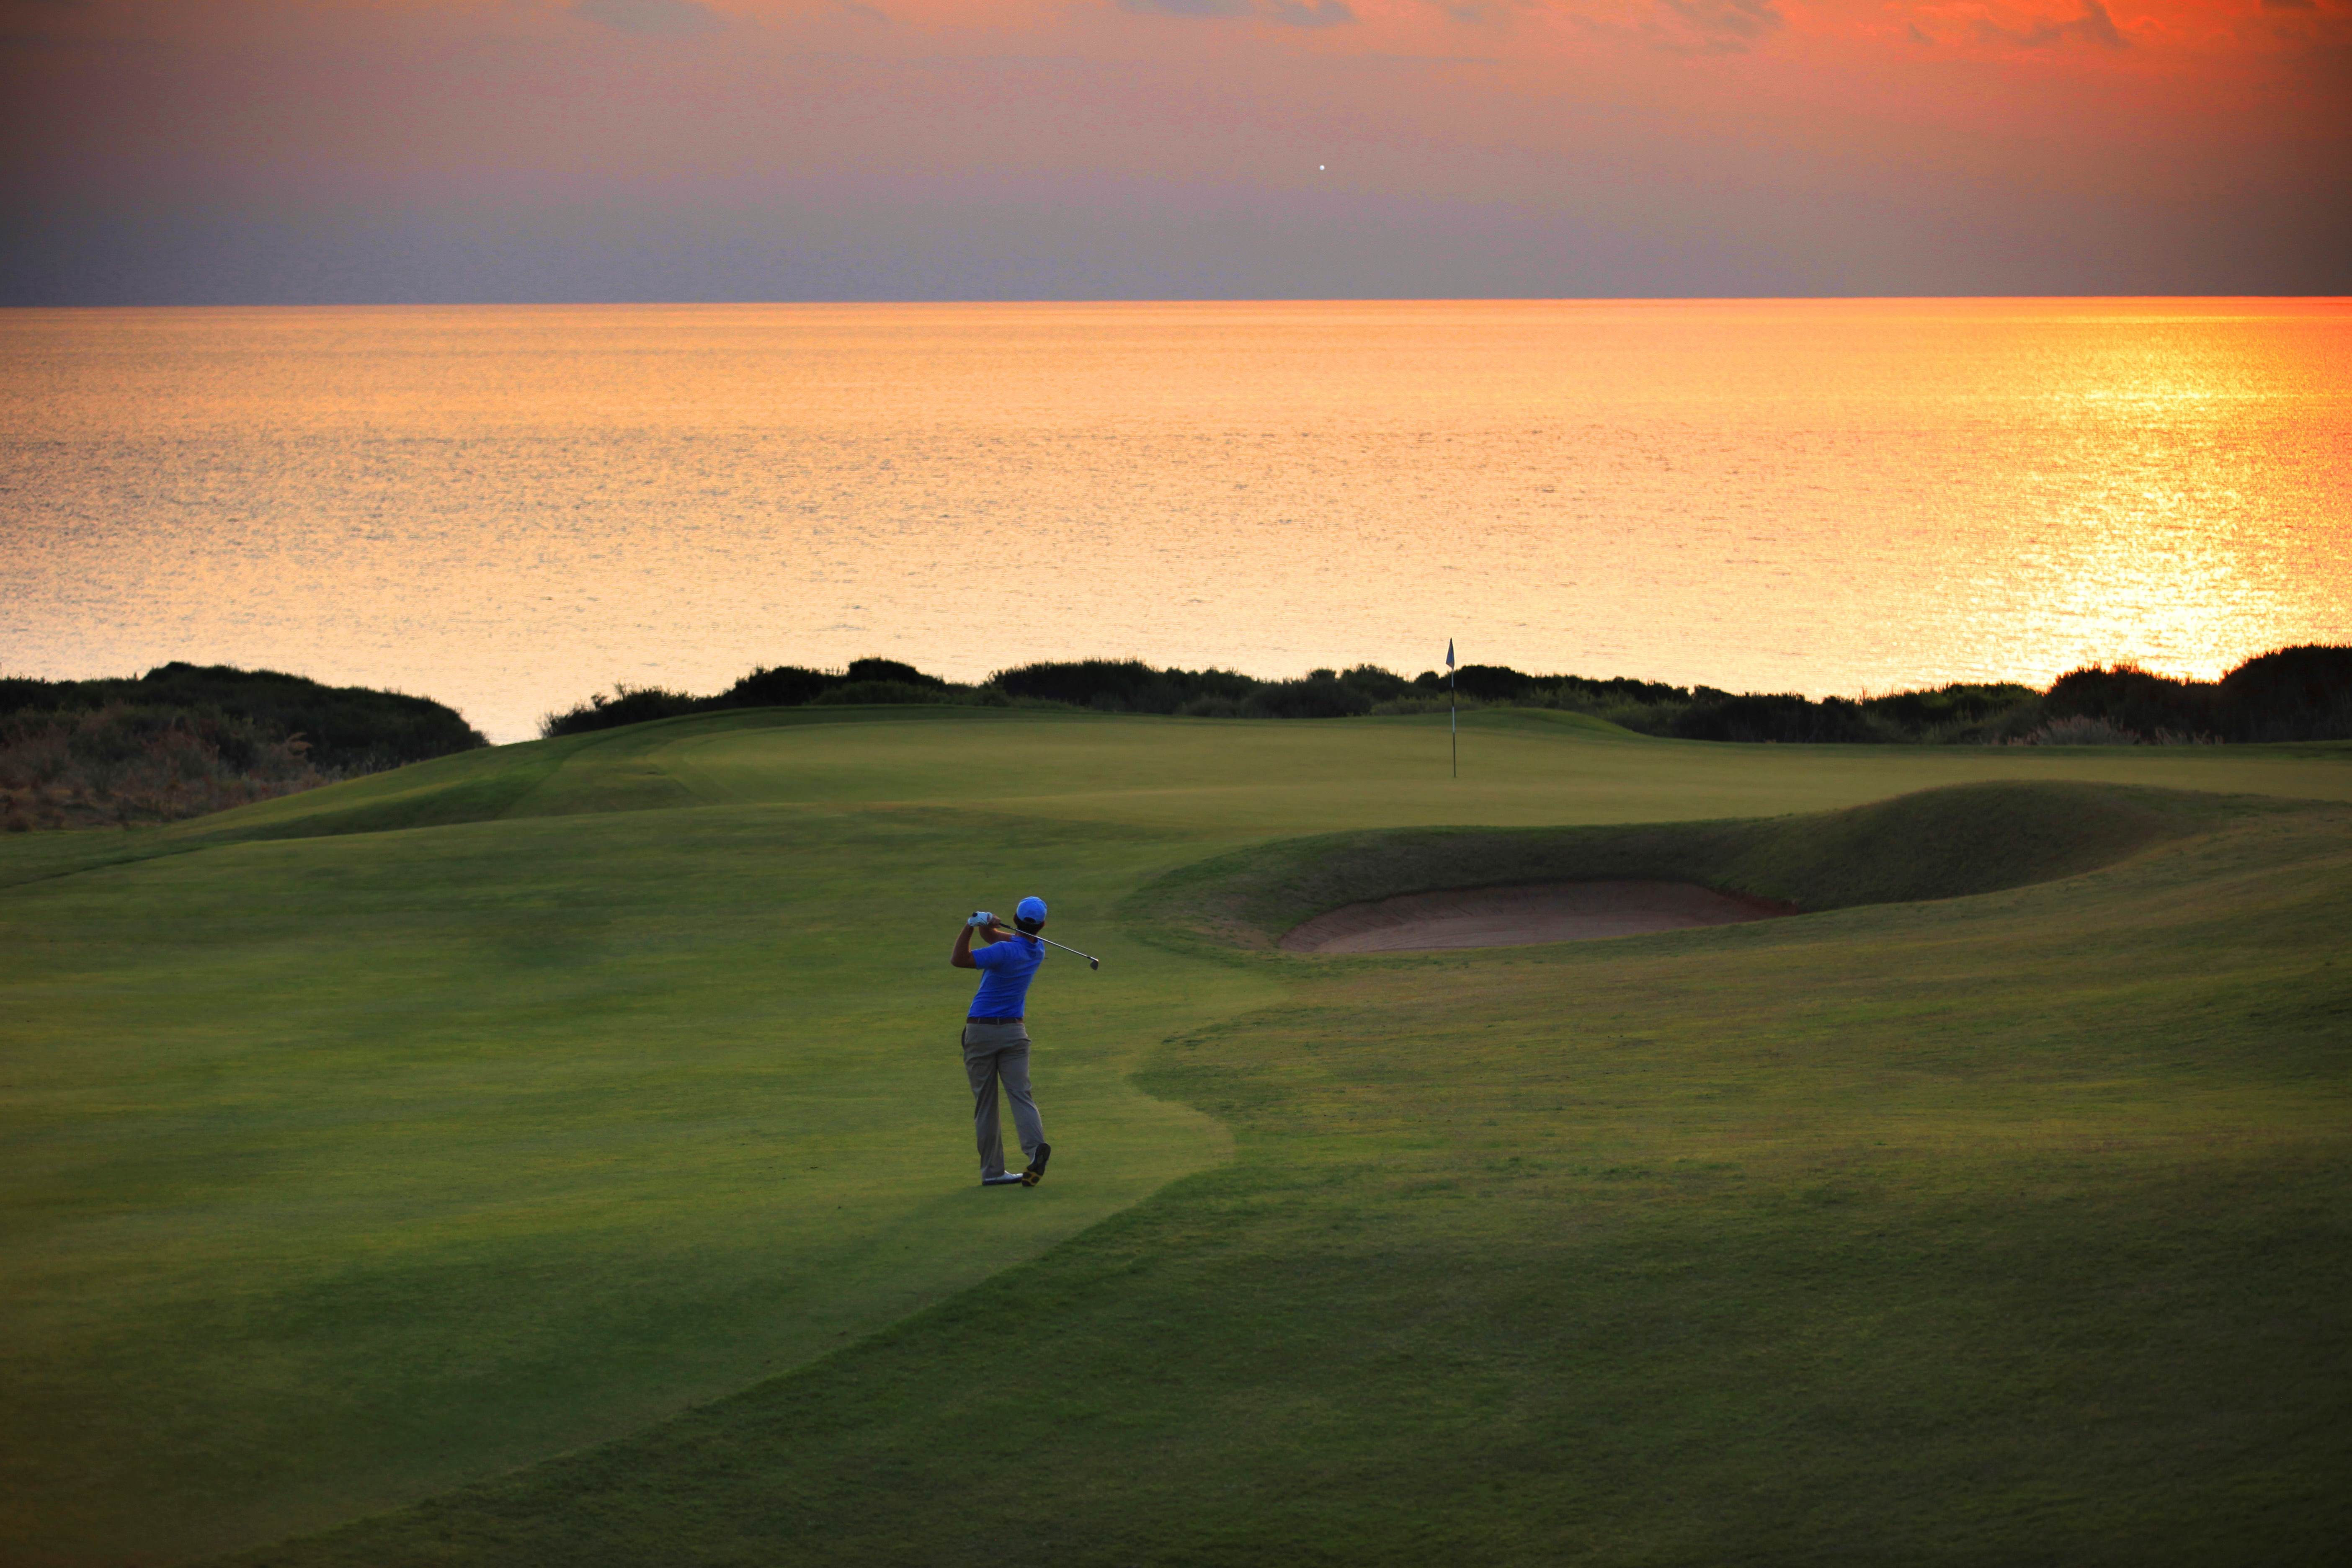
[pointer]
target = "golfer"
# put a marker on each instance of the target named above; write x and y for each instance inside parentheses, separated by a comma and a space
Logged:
(996, 1039)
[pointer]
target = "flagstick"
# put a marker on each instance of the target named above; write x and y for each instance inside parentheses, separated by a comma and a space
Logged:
(1453, 722)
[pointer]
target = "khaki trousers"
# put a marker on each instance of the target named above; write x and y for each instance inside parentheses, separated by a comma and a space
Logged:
(994, 1054)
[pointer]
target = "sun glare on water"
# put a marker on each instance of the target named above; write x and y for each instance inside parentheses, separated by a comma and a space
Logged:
(510, 508)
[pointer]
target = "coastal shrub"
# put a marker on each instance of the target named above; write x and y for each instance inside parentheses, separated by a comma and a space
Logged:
(851, 693)
(1785, 718)
(183, 740)
(889, 671)
(1413, 702)
(1322, 695)
(1957, 713)
(2130, 699)
(1378, 684)
(627, 705)
(2081, 729)
(1489, 682)
(2295, 694)
(2303, 693)
(2009, 728)
(1124, 686)
(782, 685)
(1501, 683)
(349, 729)
(118, 764)
(1648, 706)
(1116, 685)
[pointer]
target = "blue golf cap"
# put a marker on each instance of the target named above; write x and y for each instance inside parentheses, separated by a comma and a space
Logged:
(1030, 912)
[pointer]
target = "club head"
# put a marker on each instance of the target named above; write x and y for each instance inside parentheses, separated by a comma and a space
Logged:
(1093, 963)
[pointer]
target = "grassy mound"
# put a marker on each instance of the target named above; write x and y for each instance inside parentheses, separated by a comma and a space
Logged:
(1937, 844)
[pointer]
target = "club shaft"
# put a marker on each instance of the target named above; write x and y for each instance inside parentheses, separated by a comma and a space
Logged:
(1049, 941)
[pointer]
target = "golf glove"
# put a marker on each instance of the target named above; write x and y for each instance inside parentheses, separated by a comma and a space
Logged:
(981, 917)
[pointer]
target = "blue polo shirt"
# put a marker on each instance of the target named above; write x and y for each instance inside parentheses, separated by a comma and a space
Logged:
(1004, 982)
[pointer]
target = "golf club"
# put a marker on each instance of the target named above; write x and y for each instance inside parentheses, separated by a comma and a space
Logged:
(1092, 961)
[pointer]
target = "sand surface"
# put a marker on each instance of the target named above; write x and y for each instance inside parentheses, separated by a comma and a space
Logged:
(1516, 917)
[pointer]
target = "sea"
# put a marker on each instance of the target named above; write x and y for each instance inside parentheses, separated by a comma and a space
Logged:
(511, 507)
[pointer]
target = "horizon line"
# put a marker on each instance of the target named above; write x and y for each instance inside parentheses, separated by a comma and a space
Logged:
(1106, 300)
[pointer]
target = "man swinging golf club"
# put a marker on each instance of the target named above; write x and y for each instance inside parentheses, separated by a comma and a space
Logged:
(996, 1040)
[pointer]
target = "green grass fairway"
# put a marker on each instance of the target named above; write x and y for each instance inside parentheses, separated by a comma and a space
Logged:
(570, 1136)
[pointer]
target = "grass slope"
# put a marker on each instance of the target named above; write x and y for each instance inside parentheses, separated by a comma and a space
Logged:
(340, 1170)
(2011, 1229)
(372, 1142)
(1937, 844)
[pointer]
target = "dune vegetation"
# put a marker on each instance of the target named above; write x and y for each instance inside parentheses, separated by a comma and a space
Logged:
(187, 740)
(556, 1153)
(2291, 694)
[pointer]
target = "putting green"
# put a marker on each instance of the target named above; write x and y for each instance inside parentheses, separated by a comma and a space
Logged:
(386, 1138)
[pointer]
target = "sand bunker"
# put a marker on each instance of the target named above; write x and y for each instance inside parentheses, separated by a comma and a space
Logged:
(1518, 917)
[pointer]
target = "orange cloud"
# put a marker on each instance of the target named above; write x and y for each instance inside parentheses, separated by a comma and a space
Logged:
(1539, 145)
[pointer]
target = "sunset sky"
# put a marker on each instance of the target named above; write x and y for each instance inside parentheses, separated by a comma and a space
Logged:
(248, 151)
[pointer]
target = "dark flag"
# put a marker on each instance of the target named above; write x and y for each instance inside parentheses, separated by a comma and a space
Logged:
(1452, 723)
